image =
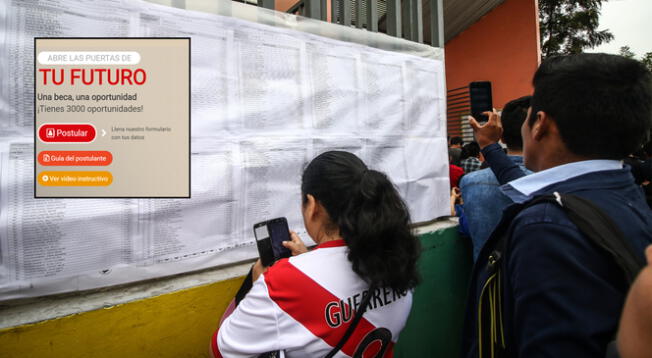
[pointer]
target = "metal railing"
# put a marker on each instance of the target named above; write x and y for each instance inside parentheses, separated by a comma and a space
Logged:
(398, 18)
(458, 107)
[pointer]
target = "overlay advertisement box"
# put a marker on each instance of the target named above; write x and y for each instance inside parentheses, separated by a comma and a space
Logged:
(112, 117)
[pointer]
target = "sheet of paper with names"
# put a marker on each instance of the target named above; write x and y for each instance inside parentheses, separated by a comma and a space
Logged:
(265, 100)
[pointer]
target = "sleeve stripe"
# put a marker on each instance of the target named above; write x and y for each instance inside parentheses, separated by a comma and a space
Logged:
(216, 351)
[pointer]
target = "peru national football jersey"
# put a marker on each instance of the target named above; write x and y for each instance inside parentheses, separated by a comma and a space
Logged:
(303, 306)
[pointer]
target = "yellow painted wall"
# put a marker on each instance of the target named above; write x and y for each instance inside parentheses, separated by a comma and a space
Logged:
(177, 324)
(180, 324)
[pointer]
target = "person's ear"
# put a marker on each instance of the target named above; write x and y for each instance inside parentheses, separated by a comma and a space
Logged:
(311, 207)
(542, 125)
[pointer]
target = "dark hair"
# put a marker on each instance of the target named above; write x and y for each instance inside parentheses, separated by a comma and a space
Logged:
(513, 115)
(602, 104)
(454, 155)
(471, 149)
(371, 217)
(456, 140)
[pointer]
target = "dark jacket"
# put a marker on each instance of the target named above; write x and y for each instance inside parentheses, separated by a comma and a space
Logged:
(562, 296)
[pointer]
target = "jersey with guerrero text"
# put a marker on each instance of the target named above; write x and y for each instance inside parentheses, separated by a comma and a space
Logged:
(303, 306)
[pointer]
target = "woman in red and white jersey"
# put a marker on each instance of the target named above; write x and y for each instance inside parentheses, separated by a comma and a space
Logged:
(302, 306)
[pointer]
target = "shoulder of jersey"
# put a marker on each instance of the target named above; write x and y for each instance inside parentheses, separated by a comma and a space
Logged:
(307, 258)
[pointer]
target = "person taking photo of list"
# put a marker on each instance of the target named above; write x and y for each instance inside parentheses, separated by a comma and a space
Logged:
(365, 261)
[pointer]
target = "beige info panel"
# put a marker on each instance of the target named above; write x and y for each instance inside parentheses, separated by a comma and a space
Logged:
(112, 117)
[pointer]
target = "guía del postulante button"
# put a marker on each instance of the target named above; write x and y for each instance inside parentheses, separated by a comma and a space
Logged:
(75, 157)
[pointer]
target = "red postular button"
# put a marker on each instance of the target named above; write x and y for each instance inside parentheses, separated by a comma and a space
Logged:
(66, 133)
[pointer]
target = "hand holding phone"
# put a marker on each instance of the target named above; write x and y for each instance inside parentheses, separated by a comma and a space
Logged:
(295, 245)
(489, 132)
(269, 236)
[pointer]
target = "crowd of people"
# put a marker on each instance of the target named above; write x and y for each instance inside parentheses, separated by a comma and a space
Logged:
(554, 194)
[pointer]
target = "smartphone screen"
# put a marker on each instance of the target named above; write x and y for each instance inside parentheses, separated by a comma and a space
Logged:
(269, 238)
(481, 100)
(279, 232)
(264, 244)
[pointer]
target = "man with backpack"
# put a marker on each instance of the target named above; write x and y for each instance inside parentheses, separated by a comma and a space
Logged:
(552, 278)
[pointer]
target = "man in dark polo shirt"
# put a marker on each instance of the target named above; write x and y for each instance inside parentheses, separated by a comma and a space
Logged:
(562, 295)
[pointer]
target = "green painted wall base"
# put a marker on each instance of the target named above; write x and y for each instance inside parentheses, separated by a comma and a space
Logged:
(435, 324)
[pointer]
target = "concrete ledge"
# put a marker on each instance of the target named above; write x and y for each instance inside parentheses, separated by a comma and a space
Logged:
(21, 312)
(50, 307)
(438, 224)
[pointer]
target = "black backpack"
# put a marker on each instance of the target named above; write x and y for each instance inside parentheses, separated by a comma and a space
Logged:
(591, 221)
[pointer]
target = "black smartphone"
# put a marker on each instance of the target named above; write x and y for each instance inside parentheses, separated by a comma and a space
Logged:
(481, 100)
(269, 236)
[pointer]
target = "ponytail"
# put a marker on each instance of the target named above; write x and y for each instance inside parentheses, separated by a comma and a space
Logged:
(371, 217)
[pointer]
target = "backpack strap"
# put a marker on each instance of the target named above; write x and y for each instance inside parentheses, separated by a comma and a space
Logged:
(592, 222)
(356, 319)
(603, 231)
(246, 286)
